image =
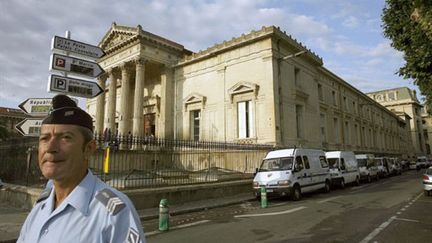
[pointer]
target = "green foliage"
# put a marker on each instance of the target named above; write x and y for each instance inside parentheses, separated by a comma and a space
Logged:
(407, 24)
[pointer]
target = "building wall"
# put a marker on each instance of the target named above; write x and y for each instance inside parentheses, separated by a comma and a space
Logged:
(293, 101)
(404, 100)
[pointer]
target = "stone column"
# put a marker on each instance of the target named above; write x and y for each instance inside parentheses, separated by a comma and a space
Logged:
(138, 125)
(124, 119)
(100, 106)
(166, 125)
(112, 99)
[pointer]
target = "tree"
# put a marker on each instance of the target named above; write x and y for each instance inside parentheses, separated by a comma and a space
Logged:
(408, 24)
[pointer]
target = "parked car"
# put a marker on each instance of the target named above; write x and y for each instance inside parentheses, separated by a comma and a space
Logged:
(383, 167)
(343, 168)
(367, 167)
(291, 172)
(427, 182)
(421, 162)
(412, 165)
(396, 168)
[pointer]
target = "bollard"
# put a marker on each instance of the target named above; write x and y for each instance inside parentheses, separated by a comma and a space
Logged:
(263, 197)
(163, 215)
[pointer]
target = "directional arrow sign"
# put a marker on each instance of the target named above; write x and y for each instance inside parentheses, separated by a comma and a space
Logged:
(36, 106)
(73, 86)
(75, 65)
(29, 127)
(84, 49)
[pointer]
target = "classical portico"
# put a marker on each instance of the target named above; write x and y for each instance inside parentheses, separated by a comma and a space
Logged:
(138, 83)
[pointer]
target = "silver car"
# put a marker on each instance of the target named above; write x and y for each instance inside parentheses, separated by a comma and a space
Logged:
(427, 182)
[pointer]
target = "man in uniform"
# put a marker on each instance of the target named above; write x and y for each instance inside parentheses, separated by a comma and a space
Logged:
(76, 206)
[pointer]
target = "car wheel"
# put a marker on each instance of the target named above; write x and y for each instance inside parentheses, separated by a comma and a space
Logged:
(342, 184)
(296, 193)
(426, 193)
(327, 186)
(357, 181)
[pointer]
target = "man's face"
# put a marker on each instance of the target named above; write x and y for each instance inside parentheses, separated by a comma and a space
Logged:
(62, 153)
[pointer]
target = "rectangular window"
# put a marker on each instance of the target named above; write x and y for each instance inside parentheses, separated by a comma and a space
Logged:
(347, 133)
(323, 162)
(323, 128)
(245, 119)
(299, 121)
(345, 103)
(306, 162)
(334, 98)
(320, 93)
(336, 130)
(195, 121)
(296, 76)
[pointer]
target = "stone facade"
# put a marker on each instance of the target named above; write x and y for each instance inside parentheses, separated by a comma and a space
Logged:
(404, 100)
(261, 87)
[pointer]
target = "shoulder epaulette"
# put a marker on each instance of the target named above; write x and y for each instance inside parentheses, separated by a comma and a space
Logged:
(44, 195)
(110, 200)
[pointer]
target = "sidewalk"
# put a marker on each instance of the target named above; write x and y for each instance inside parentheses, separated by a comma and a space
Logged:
(194, 206)
(11, 219)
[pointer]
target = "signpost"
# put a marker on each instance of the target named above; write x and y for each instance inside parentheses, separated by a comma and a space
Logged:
(75, 65)
(36, 106)
(74, 87)
(74, 46)
(29, 127)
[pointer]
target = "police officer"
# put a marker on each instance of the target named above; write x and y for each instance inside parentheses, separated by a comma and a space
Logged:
(76, 206)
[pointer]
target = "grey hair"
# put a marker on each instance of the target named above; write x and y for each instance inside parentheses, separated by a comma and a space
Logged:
(87, 134)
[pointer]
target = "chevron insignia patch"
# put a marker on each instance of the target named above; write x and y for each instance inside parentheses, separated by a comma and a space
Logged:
(111, 201)
(132, 236)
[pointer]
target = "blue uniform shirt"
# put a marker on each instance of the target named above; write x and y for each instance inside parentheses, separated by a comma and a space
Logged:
(92, 212)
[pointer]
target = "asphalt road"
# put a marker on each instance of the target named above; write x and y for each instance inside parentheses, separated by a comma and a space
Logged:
(391, 210)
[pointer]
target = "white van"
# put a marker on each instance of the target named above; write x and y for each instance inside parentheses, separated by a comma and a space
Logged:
(383, 166)
(343, 168)
(290, 172)
(367, 167)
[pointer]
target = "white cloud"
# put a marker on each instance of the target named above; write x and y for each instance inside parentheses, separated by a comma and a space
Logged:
(27, 26)
(351, 22)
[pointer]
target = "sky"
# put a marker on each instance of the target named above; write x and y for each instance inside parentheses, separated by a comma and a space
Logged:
(347, 34)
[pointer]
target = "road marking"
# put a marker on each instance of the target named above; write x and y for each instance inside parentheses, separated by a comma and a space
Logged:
(378, 230)
(177, 227)
(408, 220)
(270, 214)
(329, 199)
(358, 187)
(386, 223)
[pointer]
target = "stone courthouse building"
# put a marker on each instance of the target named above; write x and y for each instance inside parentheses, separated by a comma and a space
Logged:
(260, 87)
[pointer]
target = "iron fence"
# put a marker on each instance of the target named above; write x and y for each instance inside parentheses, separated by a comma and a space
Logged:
(140, 162)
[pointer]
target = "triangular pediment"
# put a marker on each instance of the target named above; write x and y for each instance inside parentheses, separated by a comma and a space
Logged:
(243, 87)
(194, 98)
(118, 35)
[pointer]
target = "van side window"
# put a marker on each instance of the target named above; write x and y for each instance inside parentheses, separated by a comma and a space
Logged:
(306, 162)
(323, 162)
(342, 165)
(299, 163)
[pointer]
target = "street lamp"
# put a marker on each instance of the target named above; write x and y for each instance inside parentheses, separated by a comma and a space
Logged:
(293, 55)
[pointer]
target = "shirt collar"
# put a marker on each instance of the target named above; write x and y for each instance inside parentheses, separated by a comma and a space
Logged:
(81, 196)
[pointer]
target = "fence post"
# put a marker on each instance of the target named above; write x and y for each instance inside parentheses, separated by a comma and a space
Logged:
(29, 158)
